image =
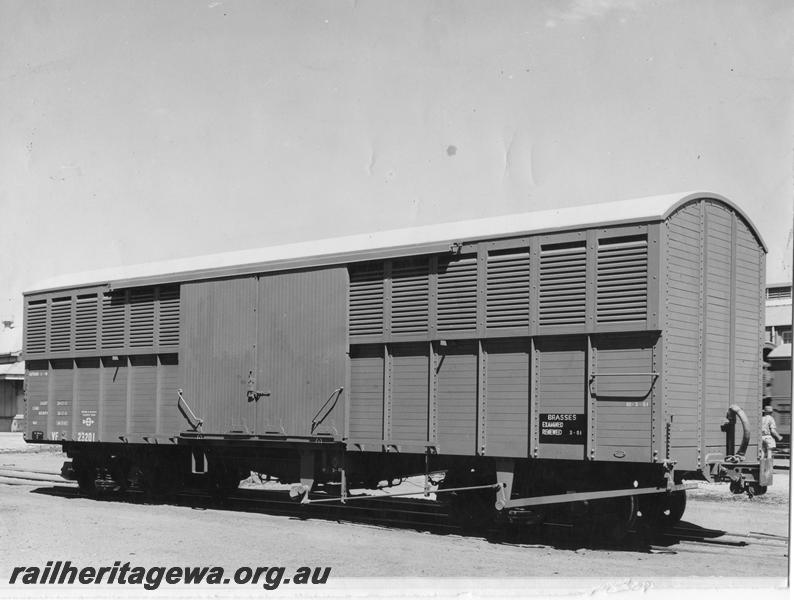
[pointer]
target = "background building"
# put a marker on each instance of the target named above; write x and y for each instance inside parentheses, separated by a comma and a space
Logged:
(778, 313)
(779, 389)
(778, 355)
(12, 373)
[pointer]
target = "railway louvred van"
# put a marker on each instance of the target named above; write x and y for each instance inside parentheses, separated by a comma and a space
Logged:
(587, 358)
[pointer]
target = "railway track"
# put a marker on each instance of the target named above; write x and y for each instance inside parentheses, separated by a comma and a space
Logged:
(16, 476)
(683, 539)
(393, 512)
(422, 515)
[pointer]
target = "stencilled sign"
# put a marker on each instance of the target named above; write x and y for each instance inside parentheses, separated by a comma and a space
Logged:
(562, 428)
(88, 417)
(88, 420)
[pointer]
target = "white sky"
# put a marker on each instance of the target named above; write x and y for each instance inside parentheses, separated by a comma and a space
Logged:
(139, 131)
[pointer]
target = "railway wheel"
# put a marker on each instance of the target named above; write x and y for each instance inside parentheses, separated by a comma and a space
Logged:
(159, 479)
(472, 510)
(757, 489)
(120, 473)
(665, 510)
(223, 481)
(153, 482)
(86, 478)
(612, 519)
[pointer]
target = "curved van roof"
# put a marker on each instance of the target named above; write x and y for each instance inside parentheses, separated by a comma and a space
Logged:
(413, 240)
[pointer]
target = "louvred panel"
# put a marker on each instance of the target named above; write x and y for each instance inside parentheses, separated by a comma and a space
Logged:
(622, 293)
(508, 289)
(457, 294)
(142, 318)
(410, 287)
(61, 324)
(86, 323)
(36, 327)
(113, 307)
(366, 299)
(563, 278)
(168, 332)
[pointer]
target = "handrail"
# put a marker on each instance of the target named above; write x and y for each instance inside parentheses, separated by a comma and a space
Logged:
(735, 411)
(183, 406)
(335, 396)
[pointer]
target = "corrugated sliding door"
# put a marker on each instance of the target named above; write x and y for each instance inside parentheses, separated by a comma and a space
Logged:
(366, 393)
(218, 347)
(507, 397)
(301, 323)
(409, 394)
(456, 381)
(624, 403)
(562, 395)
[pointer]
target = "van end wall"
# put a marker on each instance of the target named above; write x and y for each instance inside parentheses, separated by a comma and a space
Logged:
(713, 294)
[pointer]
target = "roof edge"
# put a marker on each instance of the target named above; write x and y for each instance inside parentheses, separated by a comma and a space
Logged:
(383, 244)
(694, 196)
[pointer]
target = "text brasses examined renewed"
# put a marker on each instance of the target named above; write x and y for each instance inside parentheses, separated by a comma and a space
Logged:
(562, 428)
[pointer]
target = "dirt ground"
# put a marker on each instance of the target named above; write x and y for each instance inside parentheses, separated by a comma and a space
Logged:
(38, 524)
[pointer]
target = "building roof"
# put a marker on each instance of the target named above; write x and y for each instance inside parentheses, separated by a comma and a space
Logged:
(650, 209)
(778, 315)
(12, 371)
(782, 351)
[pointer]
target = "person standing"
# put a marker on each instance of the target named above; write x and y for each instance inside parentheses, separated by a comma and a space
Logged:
(768, 433)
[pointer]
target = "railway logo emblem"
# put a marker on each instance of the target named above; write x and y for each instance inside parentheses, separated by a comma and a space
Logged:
(88, 421)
